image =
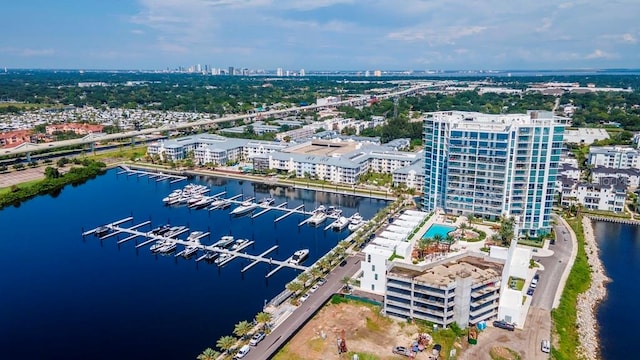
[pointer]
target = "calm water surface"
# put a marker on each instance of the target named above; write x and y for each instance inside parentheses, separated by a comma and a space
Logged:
(62, 296)
(617, 315)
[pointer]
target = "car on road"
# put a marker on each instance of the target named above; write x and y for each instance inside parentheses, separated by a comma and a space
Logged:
(314, 288)
(536, 277)
(256, 338)
(436, 350)
(530, 291)
(401, 350)
(322, 281)
(545, 346)
(503, 325)
(304, 298)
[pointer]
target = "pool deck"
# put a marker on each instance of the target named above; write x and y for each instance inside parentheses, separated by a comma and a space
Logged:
(460, 246)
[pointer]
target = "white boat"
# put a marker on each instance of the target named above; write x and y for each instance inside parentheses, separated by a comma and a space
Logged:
(157, 245)
(195, 235)
(341, 223)
(222, 258)
(193, 199)
(189, 251)
(299, 256)
(355, 221)
(168, 247)
(173, 196)
(219, 204)
(333, 211)
(244, 208)
(239, 244)
(224, 241)
(204, 201)
(266, 201)
(175, 231)
(210, 255)
(318, 216)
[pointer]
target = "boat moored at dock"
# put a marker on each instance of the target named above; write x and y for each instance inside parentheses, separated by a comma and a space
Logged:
(340, 223)
(299, 256)
(318, 216)
(224, 241)
(355, 222)
(245, 207)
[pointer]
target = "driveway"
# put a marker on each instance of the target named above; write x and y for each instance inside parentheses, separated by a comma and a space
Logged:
(554, 267)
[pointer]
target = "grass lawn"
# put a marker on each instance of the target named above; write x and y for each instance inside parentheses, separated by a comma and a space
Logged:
(26, 106)
(565, 316)
(125, 152)
(5, 190)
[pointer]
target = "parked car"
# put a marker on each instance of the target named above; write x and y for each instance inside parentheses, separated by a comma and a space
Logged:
(322, 281)
(536, 277)
(503, 325)
(242, 352)
(256, 338)
(545, 346)
(401, 350)
(436, 350)
(314, 288)
(530, 291)
(304, 298)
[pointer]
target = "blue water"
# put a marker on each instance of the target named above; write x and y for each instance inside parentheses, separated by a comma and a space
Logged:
(62, 296)
(438, 229)
(617, 315)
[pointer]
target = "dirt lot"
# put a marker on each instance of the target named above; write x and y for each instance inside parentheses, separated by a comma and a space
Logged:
(367, 333)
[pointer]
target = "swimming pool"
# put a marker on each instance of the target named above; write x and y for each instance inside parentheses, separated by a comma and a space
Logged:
(438, 229)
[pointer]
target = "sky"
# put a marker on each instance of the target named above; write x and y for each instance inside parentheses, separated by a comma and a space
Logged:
(320, 34)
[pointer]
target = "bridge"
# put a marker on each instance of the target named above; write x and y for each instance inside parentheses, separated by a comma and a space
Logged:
(91, 139)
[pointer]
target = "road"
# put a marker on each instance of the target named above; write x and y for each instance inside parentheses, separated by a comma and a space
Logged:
(554, 267)
(538, 324)
(274, 341)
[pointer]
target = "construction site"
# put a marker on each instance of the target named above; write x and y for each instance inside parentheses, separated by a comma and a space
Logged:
(353, 329)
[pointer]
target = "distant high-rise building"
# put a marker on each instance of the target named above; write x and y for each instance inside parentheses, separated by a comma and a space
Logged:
(377, 73)
(302, 73)
(198, 68)
(367, 73)
(279, 72)
(231, 71)
(288, 73)
(493, 165)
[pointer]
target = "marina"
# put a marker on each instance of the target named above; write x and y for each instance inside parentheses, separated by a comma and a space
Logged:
(168, 242)
(157, 176)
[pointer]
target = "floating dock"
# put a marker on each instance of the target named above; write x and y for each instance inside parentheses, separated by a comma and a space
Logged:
(151, 175)
(134, 232)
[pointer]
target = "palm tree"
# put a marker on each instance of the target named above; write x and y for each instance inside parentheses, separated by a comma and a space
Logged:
(423, 245)
(316, 272)
(437, 239)
(304, 277)
(295, 287)
(208, 354)
(263, 318)
(346, 281)
(225, 343)
(324, 264)
(505, 231)
(449, 239)
(242, 328)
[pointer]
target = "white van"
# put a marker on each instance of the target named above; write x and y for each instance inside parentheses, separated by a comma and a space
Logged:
(242, 352)
(545, 346)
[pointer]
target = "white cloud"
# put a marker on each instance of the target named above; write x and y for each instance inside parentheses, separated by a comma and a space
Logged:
(435, 36)
(599, 54)
(27, 52)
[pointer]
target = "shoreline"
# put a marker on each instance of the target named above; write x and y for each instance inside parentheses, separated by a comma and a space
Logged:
(588, 301)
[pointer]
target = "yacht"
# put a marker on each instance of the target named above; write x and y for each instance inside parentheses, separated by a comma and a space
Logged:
(161, 230)
(102, 231)
(318, 216)
(224, 241)
(239, 244)
(188, 251)
(173, 196)
(194, 236)
(210, 256)
(157, 245)
(299, 256)
(244, 208)
(334, 211)
(168, 247)
(219, 204)
(193, 199)
(341, 223)
(266, 201)
(222, 258)
(174, 231)
(204, 201)
(355, 221)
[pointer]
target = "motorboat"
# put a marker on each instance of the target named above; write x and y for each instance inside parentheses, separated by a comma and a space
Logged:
(189, 251)
(210, 255)
(157, 245)
(204, 201)
(222, 258)
(239, 244)
(175, 231)
(355, 221)
(168, 247)
(245, 207)
(224, 241)
(318, 216)
(161, 230)
(219, 204)
(299, 256)
(264, 202)
(194, 236)
(173, 196)
(333, 211)
(191, 202)
(341, 223)
(102, 231)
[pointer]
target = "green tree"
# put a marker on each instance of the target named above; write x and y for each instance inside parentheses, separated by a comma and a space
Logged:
(263, 318)
(225, 343)
(295, 286)
(208, 354)
(346, 282)
(242, 329)
(449, 240)
(304, 277)
(505, 232)
(51, 173)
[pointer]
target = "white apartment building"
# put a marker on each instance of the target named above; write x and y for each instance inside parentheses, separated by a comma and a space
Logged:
(604, 176)
(609, 196)
(463, 289)
(493, 165)
(617, 157)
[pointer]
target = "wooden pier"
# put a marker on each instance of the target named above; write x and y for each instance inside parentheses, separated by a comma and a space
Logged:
(133, 233)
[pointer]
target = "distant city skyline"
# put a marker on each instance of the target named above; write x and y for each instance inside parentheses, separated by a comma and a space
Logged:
(320, 34)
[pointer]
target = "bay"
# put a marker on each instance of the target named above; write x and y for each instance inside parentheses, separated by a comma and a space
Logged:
(62, 296)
